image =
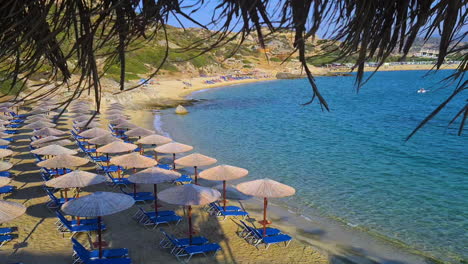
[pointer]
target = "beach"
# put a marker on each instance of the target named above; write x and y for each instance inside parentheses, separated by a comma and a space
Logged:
(40, 242)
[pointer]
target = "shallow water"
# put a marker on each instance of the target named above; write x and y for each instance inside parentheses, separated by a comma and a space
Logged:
(351, 163)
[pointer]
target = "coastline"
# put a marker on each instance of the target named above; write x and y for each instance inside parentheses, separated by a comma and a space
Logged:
(330, 235)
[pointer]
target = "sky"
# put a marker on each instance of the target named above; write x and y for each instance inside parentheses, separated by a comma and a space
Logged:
(204, 16)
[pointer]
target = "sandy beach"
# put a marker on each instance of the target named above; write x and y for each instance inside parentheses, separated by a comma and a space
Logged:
(40, 242)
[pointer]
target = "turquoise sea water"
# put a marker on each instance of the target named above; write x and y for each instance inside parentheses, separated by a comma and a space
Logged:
(351, 163)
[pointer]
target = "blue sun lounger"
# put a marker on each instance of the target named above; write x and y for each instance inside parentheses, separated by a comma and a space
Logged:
(183, 179)
(62, 219)
(258, 239)
(74, 229)
(190, 251)
(6, 230)
(5, 174)
(4, 239)
(219, 211)
(141, 214)
(173, 243)
(139, 196)
(7, 189)
(152, 220)
(92, 254)
(248, 231)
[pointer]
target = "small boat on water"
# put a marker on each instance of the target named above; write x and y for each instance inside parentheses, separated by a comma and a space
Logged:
(422, 90)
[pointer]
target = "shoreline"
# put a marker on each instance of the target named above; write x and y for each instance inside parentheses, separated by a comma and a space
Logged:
(384, 245)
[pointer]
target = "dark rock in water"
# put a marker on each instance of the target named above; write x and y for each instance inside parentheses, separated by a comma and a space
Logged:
(287, 75)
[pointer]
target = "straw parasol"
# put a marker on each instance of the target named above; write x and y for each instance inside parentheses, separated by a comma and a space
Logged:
(37, 118)
(126, 125)
(98, 204)
(87, 124)
(38, 111)
(114, 111)
(4, 181)
(82, 118)
(39, 125)
(116, 116)
(48, 131)
(154, 176)
(3, 122)
(195, 160)
(63, 161)
(4, 142)
(75, 179)
(139, 132)
(5, 109)
(50, 140)
(103, 140)
(189, 194)
(174, 148)
(34, 116)
(54, 150)
(265, 188)
(153, 140)
(6, 118)
(5, 153)
(117, 147)
(4, 166)
(10, 210)
(94, 132)
(3, 134)
(224, 173)
(133, 160)
(81, 111)
(117, 121)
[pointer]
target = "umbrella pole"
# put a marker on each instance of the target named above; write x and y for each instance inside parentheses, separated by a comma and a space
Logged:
(66, 194)
(224, 195)
(99, 237)
(196, 175)
(265, 205)
(141, 149)
(190, 223)
(118, 172)
(78, 196)
(173, 161)
(107, 159)
(155, 156)
(156, 199)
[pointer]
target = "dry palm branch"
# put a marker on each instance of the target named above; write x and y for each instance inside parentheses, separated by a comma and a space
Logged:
(57, 32)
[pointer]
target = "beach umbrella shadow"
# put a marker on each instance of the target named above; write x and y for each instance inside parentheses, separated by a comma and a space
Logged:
(39, 211)
(27, 193)
(28, 177)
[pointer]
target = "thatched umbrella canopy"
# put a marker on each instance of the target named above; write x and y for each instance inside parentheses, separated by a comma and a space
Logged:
(48, 131)
(81, 111)
(63, 161)
(5, 153)
(36, 119)
(126, 125)
(154, 176)
(117, 116)
(114, 111)
(153, 140)
(6, 118)
(75, 179)
(4, 122)
(103, 140)
(34, 116)
(81, 117)
(174, 148)
(38, 111)
(266, 188)
(54, 150)
(94, 132)
(4, 166)
(118, 121)
(224, 173)
(117, 147)
(5, 109)
(87, 124)
(4, 142)
(39, 125)
(4, 181)
(139, 132)
(10, 210)
(135, 161)
(4, 135)
(50, 140)
(188, 195)
(98, 204)
(195, 160)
